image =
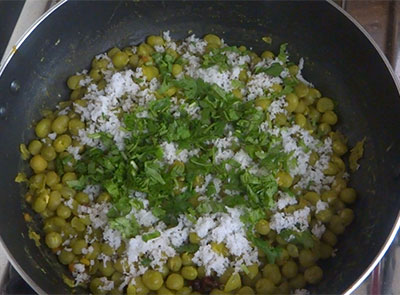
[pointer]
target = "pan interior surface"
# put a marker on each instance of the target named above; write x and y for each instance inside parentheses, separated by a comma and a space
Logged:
(339, 60)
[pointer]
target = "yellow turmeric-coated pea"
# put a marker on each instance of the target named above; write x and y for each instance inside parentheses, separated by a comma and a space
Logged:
(212, 39)
(38, 163)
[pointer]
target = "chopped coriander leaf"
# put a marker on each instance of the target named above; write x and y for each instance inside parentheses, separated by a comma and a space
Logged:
(150, 236)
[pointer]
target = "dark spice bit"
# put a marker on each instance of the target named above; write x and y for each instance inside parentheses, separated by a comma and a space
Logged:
(204, 285)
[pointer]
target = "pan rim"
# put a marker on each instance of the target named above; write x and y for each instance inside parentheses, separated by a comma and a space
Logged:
(366, 272)
(395, 229)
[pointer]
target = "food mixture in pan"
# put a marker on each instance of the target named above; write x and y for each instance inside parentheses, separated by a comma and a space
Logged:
(191, 167)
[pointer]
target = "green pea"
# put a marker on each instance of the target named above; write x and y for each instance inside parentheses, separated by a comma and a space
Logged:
(63, 211)
(187, 259)
(284, 288)
(348, 195)
(145, 50)
(292, 101)
(306, 258)
(324, 215)
(246, 290)
(40, 203)
(82, 198)
(262, 102)
(113, 51)
(262, 227)
(62, 142)
(324, 128)
(150, 72)
(290, 269)
(237, 93)
(67, 192)
(280, 119)
(267, 54)
(54, 200)
(176, 69)
(174, 281)
(329, 117)
(347, 216)
(106, 269)
(301, 107)
(77, 224)
(194, 238)
(226, 275)
(301, 90)
(34, 147)
(313, 158)
(43, 128)
(243, 76)
(312, 197)
(68, 176)
(189, 272)
(165, 291)
(313, 274)
(73, 82)
(75, 125)
(293, 251)
(325, 104)
(48, 153)
(284, 179)
(329, 237)
(52, 178)
(265, 286)
(120, 59)
(331, 170)
(314, 115)
(95, 74)
(95, 286)
(311, 96)
(53, 224)
(38, 163)
(134, 60)
(212, 39)
(184, 291)
(325, 251)
(234, 282)
(155, 40)
(272, 272)
(53, 240)
(283, 257)
(172, 52)
(298, 282)
(336, 225)
(293, 70)
(153, 280)
(77, 246)
(96, 252)
(300, 120)
(101, 63)
(107, 249)
(338, 162)
(60, 124)
(66, 257)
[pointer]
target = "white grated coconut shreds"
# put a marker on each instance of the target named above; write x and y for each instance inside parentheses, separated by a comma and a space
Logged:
(228, 229)
(103, 106)
(318, 230)
(311, 177)
(171, 153)
(297, 221)
(277, 107)
(258, 84)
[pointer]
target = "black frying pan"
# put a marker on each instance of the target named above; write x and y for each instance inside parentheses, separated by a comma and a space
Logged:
(340, 60)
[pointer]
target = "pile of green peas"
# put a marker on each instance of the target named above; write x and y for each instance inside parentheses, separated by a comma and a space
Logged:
(295, 267)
